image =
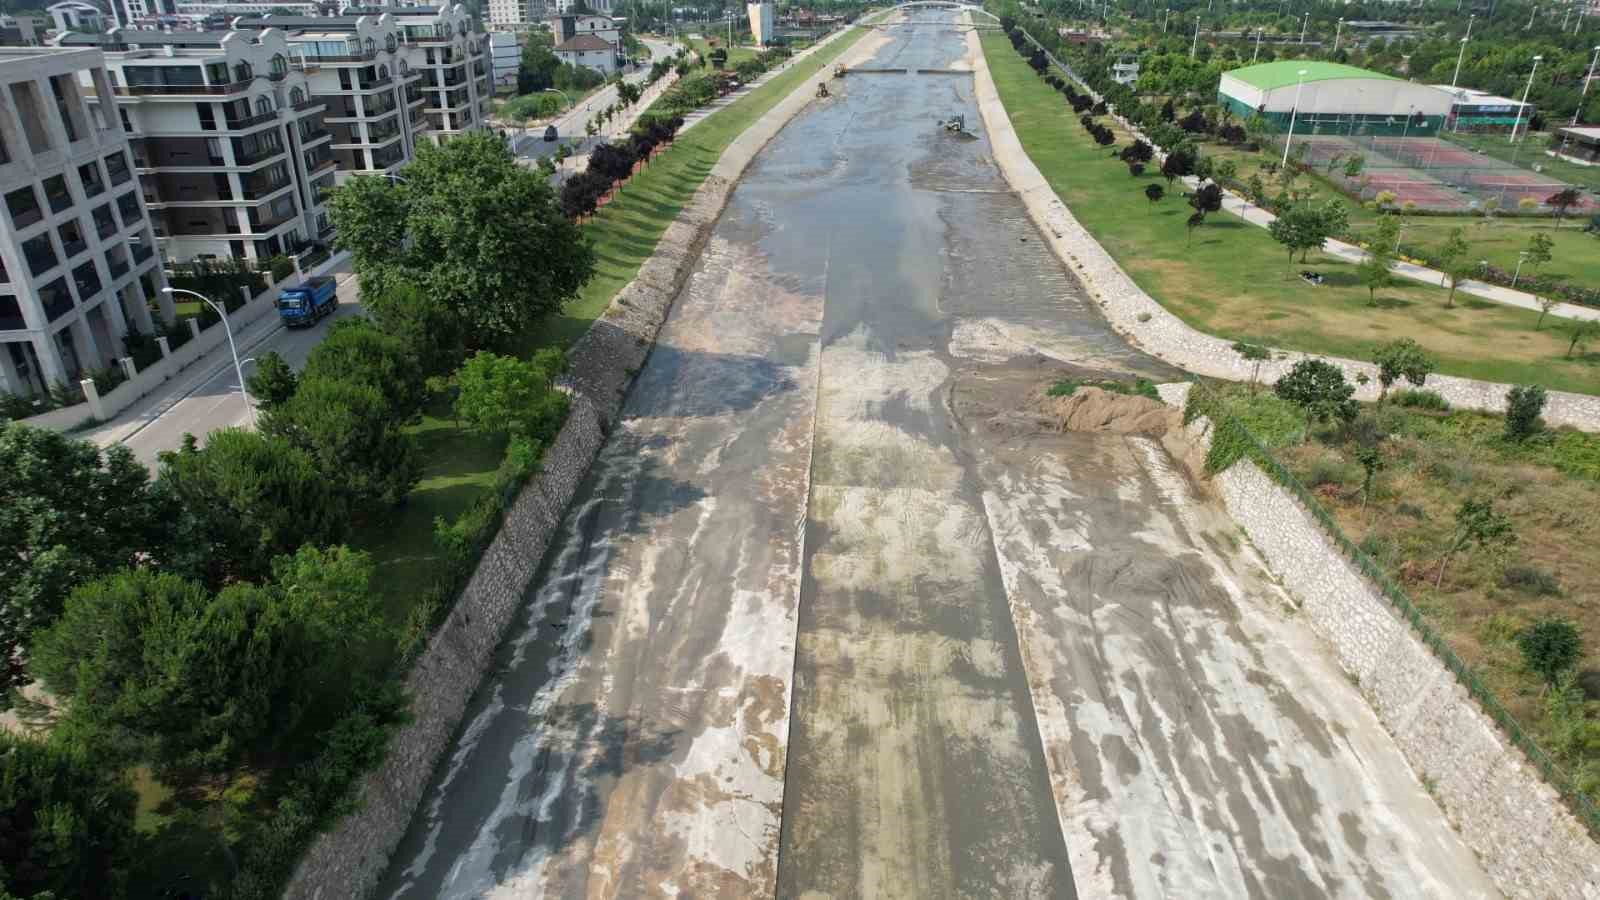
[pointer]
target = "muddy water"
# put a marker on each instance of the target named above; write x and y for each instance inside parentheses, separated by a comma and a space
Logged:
(776, 650)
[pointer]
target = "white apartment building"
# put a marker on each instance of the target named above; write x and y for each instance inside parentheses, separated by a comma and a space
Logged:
(71, 15)
(506, 54)
(564, 7)
(78, 265)
(227, 140)
(565, 28)
(590, 52)
(391, 78)
(510, 15)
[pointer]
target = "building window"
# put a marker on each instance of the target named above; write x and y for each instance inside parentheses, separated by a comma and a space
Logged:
(390, 42)
(87, 280)
(24, 206)
(57, 300)
(243, 71)
(89, 176)
(296, 97)
(117, 168)
(128, 208)
(56, 193)
(280, 66)
(72, 240)
(372, 46)
(11, 315)
(263, 105)
(40, 254)
(105, 224)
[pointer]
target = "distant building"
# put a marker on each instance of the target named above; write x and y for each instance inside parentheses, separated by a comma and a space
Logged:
(1333, 99)
(78, 265)
(510, 15)
(603, 7)
(72, 15)
(1125, 70)
(565, 28)
(22, 31)
(761, 23)
(1579, 144)
(590, 52)
(506, 54)
(1472, 110)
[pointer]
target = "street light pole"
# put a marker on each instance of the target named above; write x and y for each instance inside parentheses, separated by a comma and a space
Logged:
(1299, 83)
(238, 367)
(1256, 54)
(1164, 17)
(1515, 125)
(1337, 32)
(1303, 23)
(1196, 45)
(1533, 10)
(1521, 256)
(1586, 81)
(1463, 54)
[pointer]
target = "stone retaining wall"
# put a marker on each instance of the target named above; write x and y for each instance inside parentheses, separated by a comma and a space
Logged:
(1147, 324)
(1516, 824)
(350, 858)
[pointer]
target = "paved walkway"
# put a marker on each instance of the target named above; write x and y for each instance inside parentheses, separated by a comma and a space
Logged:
(1255, 215)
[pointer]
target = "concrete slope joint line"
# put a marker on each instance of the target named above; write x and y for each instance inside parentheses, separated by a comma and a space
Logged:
(1149, 325)
(350, 857)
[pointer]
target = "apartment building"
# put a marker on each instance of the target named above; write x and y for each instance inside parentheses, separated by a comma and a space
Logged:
(392, 77)
(510, 15)
(77, 253)
(228, 141)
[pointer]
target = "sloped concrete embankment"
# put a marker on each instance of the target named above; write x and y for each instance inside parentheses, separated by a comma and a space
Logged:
(349, 859)
(1135, 314)
(1522, 833)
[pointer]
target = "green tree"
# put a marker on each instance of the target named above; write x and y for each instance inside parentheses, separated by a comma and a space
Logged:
(1550, 647)
(1402, 358)
(1539, 247)
(357, 349)
(539, 64)
(1255, 355)
(248, 497)
(1370, 456)
(1353, 166)
(354, 434)
(66, 822)
(1563, 200)
(469, 227)
(1373, 270)
(1477, 523)
(273, 382)
(1581, 331)
(1318, 387)
(69, 512)
(1524, 403)
(157, 666)
(504, 394)
(1454, 261)
(1298, 229)
(1154, 192)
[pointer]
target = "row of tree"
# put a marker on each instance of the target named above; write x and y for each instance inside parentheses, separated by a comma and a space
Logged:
(613, 162)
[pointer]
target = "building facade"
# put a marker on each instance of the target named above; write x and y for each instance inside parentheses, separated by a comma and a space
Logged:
(589, 52)
(75, 15)
(78, 262)
(228, 142)
(510, 15)
(1579, 144)
(1472, 110)
(762, 26)
(1329, 98)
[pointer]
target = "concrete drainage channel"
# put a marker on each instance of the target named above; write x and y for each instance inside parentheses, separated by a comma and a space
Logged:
(841, 610)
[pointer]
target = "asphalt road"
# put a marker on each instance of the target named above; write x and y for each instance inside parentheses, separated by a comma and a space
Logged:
(530, 144)
(206, 396)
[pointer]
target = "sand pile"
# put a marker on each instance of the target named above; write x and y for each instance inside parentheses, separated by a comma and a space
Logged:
(1094, 409)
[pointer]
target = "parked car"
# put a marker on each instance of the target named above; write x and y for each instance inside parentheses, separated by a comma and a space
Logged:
(550, 133)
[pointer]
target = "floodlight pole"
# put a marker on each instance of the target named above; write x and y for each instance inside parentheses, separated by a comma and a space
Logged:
(1515, 125)
(1586, 81)
(1339, 30)
(1299, 83)
(1258, 46)
(1532, 11)
(1303, 23)
(1521, 257)
(1196, 45)
(1463, 54)
(1164, 17)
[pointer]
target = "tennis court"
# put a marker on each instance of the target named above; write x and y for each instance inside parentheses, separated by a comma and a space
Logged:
(1430, 173)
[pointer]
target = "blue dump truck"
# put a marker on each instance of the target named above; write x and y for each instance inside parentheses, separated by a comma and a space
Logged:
(308, 301)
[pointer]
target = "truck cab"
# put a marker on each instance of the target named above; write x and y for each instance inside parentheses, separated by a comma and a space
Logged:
(308, 302)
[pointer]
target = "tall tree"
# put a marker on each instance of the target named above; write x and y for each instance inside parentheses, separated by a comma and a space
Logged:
(66, 822)
(69, 512)
(357, 349)
(1477, 522)
(1373, 270)
(504, 394)
(1563, 200)
(1454, 261)
(1319, 388)
(354, 434)
(272, 382)
(1538, 252)
(468, 226)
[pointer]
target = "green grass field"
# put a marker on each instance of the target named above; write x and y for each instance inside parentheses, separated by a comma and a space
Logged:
(736, 53)
(1575, 256)
(1234, 281)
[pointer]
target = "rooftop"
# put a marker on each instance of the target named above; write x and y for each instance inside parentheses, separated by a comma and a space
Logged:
(1586, 132)
(1284, 73)
(583, 42)
(1482, 98)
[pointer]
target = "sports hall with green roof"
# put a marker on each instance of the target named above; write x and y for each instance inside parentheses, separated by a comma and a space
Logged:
(1330, 98)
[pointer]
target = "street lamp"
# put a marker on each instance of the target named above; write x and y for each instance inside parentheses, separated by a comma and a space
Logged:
(1586, 81)
(1299, 83)
(1463, 53)
(1337, 31)
(1521, 256)
(1164, 17)
(1256, 54)
(1196, 45)
(238, 367)
(1524, 105)
(1303, 23)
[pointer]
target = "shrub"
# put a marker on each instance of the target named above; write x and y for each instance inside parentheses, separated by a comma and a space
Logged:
(1430, 400)
(1530, 580)
(1550, 647)
(1141, 387)
(1524, 403)
(1329, 470)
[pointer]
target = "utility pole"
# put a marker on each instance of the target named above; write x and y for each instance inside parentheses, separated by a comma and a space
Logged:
(1524, 105)
(1463, 53)
(1586, 81)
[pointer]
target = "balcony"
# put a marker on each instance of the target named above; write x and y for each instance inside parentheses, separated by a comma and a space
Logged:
(320, 165)
(311, 63)
(270, 220)
(315, 135)
(251, 122)
(251, 157)
(376, 83)
(313, 103)
(252, 192)
(180, 90)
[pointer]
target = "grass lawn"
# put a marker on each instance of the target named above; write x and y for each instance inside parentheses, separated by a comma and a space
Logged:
(1575, 256)
(1234, 281)
(625, 232)
(736, 53)
(1548, 488)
